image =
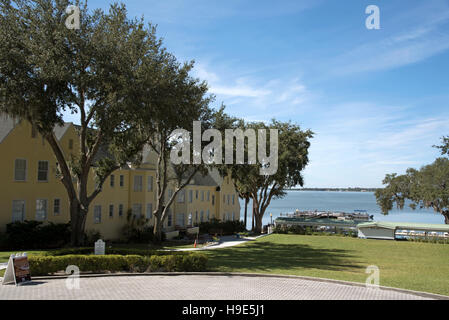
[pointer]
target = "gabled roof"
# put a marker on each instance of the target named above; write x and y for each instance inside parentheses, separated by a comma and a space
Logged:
(61, 130)
(7, 124)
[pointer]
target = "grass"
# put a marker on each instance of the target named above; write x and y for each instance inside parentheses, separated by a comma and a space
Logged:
(402, 264)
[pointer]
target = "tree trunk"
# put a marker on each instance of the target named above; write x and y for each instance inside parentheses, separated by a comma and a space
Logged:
(252, 224)
(246, 211)
(446, 217)
(78, 222)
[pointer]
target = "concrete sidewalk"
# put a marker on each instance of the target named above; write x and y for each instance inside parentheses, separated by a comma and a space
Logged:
(201, 287)
(225, 242)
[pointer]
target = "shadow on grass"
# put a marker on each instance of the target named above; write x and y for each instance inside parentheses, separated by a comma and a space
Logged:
(266, 256)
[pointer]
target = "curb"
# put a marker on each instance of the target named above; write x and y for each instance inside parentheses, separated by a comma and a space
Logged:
(231, 274)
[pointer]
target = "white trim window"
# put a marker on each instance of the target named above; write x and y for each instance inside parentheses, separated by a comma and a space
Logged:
(111, 211)
(150, 183)
(41, 209)
(122, 180)
(190, 222)
(137, 210)
(42, 171)
(97, 214)
(181, 196)
(20, 170)
(180, 219)
(18, 210)
(57, 207)
(138, 183)
(149, 210)
(169, 220)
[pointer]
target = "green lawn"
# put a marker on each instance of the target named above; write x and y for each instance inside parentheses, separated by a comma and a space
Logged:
(408, 265)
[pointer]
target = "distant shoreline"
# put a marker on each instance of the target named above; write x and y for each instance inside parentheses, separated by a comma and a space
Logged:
(336, 189)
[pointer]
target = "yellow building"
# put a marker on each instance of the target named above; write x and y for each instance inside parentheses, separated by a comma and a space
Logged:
(30, 188)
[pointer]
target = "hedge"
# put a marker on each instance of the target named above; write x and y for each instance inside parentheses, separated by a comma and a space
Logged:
(45, 265)
(108, 251)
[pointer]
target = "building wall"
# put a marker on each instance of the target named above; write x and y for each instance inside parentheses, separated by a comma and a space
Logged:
(19, 144)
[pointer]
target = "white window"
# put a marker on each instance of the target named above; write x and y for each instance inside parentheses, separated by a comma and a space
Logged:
(137, 210)
(111, 211)
(227, 216)
(97, 214)
(190, 222)
(181, 196)
(41, 209)
(18, 210)
(150, 183)
(20, 170)
(42, 171)
(138, 183)
(149, 210)
(120, 210)
(169, 220)
(57, 207)
(190, 196)
(180, 219)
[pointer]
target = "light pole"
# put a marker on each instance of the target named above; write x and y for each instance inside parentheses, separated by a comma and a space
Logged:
(271, 216)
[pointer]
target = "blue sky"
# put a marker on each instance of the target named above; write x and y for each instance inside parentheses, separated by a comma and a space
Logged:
(376, 99)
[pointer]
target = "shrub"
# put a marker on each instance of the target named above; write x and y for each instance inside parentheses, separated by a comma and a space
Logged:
(36, 235)
(112, 251)
(227, 227)
(91, 236)
(44, 265)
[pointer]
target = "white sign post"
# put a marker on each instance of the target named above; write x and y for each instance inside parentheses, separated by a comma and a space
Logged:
(100, 247)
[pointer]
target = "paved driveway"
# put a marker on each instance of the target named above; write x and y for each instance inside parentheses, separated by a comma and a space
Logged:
(198, 287)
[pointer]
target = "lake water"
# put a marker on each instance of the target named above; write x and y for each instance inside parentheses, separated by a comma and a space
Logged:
(341, 201)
